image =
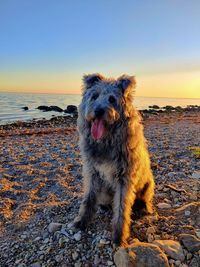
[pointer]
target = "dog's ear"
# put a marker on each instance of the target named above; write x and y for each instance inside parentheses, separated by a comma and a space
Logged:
(91, 79)
(126, 84)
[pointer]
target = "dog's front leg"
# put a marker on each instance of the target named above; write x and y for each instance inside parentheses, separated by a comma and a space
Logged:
(88, 205)
(122, 206)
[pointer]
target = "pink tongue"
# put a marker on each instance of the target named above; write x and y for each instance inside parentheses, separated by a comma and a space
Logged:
(97, 129)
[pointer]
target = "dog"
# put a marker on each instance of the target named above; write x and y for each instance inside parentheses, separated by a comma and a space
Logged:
(116, 164)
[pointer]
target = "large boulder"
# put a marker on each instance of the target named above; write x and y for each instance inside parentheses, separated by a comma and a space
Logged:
(25, 108)
(56, 108)
(172, 248)
(51, 108)
(71, 109)
(190, 242)
(44, 108)
(140, 254)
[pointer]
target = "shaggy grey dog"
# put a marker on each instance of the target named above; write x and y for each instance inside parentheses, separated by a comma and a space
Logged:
(116, 165)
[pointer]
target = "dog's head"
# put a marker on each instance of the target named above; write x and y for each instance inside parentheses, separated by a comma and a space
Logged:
(105, 101)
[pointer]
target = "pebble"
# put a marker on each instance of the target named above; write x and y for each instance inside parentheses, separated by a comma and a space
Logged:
(23, 236)
(196, 175)
(37, 239)
(53, 227)
(36, 264)
(164, 205)
(75, 255)
(77, 236)
(198, 233)
(104, 242)
(187, 213)
(110, 263)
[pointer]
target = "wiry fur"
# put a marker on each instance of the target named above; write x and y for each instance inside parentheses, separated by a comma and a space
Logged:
(116, 168)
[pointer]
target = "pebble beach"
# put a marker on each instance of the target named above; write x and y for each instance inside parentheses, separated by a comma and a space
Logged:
(41, 190)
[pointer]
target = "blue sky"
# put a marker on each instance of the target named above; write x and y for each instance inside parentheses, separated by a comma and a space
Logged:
(47, 44)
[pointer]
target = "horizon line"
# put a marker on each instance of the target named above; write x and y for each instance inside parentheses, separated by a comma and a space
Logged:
(51, 93)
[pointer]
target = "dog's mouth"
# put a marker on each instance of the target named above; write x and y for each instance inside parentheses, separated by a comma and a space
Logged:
(98, 128)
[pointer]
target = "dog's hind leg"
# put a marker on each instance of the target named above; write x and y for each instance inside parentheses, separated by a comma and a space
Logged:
(123, 201)
(89, 203)
(147, 196)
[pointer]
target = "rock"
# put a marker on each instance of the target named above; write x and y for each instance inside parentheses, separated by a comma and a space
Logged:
(56, 108)
(97, 260)
(198, 233)
(195, 262)
(51, 108)
(154, 107)
(140, 254)
(77, 236)
(190, 242)
(75, 255)
(196, 175)
(104, 242)
(35, 264)
(163, 205)
(172, 248)
(25, 108)
(109, 263)
(71, 109)
(53, 227)
(187, 213)
(44, 108)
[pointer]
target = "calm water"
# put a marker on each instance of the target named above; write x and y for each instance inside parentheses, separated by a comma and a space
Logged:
(11, 104)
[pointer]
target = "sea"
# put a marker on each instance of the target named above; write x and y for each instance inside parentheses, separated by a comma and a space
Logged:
(11, 104)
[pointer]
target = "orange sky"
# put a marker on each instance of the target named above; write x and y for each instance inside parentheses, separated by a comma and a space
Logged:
(177, 84)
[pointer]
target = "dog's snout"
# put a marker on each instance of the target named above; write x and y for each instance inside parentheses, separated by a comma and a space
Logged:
(99, 112)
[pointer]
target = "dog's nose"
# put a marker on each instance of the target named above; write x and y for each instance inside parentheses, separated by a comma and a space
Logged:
(99, 112)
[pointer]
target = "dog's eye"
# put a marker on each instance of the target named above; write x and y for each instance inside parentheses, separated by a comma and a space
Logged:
(94, 97)
(111, 99)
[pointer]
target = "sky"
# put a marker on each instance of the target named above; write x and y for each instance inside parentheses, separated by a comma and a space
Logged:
(46, 46)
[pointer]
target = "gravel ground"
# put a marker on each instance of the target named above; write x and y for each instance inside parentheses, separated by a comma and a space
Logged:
(40, 193)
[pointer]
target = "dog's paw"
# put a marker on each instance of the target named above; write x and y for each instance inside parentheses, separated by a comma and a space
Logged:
(80, 224)
(118, 240)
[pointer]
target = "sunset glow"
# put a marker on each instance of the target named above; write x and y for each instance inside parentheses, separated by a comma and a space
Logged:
(44, 50)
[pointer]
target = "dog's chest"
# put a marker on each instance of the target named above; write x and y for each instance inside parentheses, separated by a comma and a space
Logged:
(106, 170)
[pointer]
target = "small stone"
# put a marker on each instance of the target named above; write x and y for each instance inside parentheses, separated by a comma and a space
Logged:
(195, 262)
(104, 242)
(75, 255)
(196, 175)
(190, 242)
(23, 236)
(189, 256)
(110, 263)
(46, 241)
(177, 263)
(164, 205)
(151, 230)
(198, 233)
(150, 238)
(77, 236)
(53, 227)
(97, 260)
(35, 264)
(77, 264)
(172, 248)
(58, 258)
(187, 213)
(37, 239)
